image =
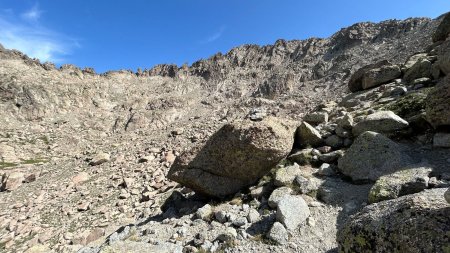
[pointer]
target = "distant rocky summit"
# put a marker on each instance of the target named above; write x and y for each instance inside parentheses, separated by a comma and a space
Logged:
(337, 144)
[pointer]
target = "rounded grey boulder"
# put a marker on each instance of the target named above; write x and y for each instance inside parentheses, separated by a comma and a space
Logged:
(414, 223)
(372, 155)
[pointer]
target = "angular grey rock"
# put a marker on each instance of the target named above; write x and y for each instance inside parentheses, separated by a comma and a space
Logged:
(292, 211)
(409, 180)
(378, 76)
(437, 104)
(443, 30)
(307, 135)
(413, 223)
(316, 117)
(413, 60)
(422, 68)
(332, 156)
(380, 122)
(221, 216)
(372, 155)
(229, 234)
(356, 80)
(306, 185)
(277, 195)
(285, 176)
(278, 234)
(100, 158)
(253, 215)
(234, 157)
(205, 212)
(325, 170)
(345, 122)
(441, 140)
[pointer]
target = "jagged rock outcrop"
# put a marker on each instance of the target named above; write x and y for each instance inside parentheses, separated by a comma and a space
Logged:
(443, 30)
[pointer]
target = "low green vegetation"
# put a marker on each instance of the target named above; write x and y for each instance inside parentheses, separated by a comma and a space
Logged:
(409, 105)
(4, 165)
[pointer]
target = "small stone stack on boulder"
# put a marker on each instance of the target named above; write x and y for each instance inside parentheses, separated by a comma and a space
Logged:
(236, 156)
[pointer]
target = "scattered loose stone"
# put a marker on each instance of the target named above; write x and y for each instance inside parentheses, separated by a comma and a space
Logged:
(292, 211)
(277, 195)
(286, 175)
(100, 158)
(278, 234)
(253, 215)
(205, 213)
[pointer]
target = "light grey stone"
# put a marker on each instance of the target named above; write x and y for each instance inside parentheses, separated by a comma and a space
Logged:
(286, 175)
(307, 135)
(277, 195)
(292, 211)
(278, 234)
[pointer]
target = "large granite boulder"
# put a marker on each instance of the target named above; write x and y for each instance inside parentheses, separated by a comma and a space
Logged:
(378, 76)
(438, 104)
(414, 223)
(373, 75)
(236, 156)
(443, 30)
(371, 156)
(380, 122)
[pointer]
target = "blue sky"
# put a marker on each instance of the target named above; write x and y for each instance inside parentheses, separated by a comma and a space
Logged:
(117, 34)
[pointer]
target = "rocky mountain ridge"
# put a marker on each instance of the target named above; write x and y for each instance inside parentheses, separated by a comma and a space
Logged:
(82, 155)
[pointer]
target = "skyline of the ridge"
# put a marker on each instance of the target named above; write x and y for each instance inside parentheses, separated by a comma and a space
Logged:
(122, 35)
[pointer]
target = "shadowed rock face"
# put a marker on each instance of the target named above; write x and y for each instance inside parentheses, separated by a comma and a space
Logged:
(234, 157)
(443, 30)
(437, 104)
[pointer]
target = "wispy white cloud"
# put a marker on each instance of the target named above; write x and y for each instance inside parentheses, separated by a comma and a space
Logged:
(214, 36)
(32, 14)
(25, 33)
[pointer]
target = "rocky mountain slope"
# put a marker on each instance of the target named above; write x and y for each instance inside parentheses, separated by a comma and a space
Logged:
(83, 155)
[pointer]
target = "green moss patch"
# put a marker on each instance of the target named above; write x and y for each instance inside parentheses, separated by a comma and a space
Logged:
(409, 105)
